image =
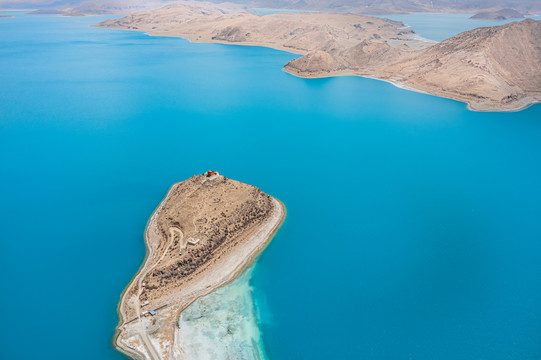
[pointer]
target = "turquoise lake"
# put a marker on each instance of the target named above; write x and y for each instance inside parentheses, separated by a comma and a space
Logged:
(413, 228)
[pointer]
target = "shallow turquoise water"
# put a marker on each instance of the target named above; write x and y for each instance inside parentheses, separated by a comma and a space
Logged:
(413, 225)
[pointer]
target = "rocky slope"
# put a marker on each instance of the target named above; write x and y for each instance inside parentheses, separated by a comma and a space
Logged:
(492, 68)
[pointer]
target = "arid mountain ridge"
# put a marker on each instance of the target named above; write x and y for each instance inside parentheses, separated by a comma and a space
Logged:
(400, 6)
(491, 69)
(91, 7)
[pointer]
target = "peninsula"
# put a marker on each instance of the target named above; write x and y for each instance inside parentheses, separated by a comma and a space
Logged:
(490, 69)
(206, 230)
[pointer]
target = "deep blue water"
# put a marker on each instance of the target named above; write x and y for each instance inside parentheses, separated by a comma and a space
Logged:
(413, 228)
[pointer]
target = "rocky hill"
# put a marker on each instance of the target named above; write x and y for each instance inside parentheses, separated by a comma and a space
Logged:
(493, 68)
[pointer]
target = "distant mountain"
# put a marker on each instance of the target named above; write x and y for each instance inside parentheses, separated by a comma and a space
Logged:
(89, 7)
(503, 14)
(398, 6)
(37, 4)
(354, 6)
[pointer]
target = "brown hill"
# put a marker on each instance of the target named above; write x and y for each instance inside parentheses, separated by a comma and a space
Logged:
(495, 67)
(491, 69)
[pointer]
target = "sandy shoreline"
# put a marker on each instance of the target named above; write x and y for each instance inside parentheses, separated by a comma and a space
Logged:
(132, 336)
(148, 250)
(470, 105)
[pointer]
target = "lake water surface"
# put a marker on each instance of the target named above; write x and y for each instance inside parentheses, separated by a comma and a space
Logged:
(438, 27)
(413, 228)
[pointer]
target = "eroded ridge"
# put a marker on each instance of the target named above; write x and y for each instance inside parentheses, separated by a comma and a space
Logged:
(204, 232)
